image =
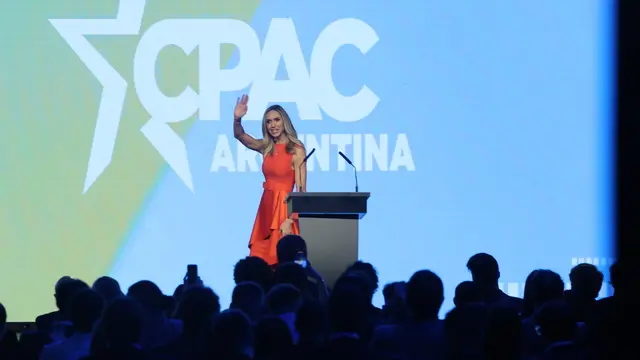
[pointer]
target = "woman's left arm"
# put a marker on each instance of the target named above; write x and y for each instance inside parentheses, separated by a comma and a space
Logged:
(300, 168)
(300, 171)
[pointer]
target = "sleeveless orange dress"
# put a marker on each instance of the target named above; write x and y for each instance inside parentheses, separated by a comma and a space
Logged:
(272, 211)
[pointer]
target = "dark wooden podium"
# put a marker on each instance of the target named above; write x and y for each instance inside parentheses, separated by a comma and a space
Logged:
(329, 225)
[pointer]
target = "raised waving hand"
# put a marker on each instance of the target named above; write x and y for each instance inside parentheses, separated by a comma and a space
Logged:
(241, 107)
(238, 131)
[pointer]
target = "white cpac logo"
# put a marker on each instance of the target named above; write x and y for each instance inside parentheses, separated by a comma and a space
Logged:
(310, 87)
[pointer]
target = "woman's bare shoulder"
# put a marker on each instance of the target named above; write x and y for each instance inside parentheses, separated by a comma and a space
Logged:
(299, 149)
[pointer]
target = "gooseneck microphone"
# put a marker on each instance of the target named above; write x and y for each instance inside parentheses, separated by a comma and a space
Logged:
(355, 170)
(304, 161)
(308, 156)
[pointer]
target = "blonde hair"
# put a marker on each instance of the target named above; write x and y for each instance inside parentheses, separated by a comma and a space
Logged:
(268, 144)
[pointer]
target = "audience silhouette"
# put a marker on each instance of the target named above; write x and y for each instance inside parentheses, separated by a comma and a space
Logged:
(485, 274)
(287, 312)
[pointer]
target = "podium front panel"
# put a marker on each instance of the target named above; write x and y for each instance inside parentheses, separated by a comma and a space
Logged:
(332, 245)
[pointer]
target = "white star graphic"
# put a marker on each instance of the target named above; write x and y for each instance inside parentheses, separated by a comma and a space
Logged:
(128, 21)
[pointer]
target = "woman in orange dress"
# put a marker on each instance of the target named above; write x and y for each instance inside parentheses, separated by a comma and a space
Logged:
(283, 169)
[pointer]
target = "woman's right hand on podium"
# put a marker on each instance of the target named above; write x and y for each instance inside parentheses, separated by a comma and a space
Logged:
(241, 107)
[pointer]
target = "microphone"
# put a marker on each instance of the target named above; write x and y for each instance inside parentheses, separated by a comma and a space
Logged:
(305, 160)
(355, 171)
(308, 156)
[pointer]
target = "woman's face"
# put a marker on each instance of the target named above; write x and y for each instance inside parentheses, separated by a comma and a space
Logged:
(274, 124)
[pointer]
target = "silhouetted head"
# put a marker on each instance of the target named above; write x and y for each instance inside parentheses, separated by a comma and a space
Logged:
(62, 280)
(425, 294)
(149, 296)
(232, 335)
(85, 309)
(277, 128)
(544, 286)
(393, 292)
(484, 270)
(65, 289)
(3, 320)
(358, 280)
(248, 297)
(618, 277)
(367, 269)
(197, 309)
(467, 292)
(586, 281)
(292, 273)
(108, 288)
(528, 306)
(289, 246)
(614, 274)
(177, 293)
(254, 269)
(284, 298)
